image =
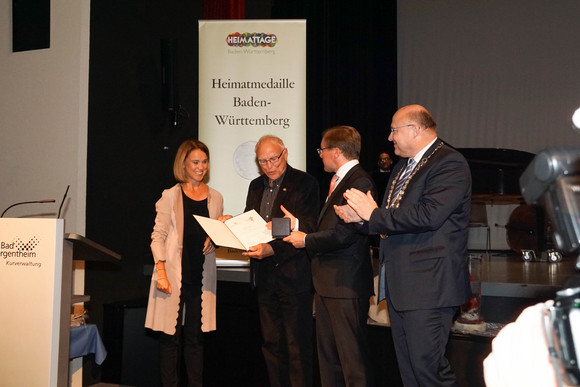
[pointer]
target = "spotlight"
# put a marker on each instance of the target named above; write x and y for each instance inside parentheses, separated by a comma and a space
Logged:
(576, 119)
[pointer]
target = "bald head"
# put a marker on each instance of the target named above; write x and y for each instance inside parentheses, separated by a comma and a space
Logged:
(413, 128)
(419, 115)
(272, 156)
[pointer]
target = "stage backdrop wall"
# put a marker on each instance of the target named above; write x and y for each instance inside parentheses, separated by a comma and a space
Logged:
(498, 74)
(43, 116)
(252, 81)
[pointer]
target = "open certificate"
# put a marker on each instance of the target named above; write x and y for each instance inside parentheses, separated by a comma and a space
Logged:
(240, 232)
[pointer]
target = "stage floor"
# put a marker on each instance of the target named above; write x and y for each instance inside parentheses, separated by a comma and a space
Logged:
(506, 274)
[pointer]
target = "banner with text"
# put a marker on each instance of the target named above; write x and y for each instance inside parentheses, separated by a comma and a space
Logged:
(252, 82)
(31, 286)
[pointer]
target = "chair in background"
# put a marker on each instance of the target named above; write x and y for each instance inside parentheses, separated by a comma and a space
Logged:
(478, 218)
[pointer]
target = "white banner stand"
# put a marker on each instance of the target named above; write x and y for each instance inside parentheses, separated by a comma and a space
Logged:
(35, 294)
(252, 82)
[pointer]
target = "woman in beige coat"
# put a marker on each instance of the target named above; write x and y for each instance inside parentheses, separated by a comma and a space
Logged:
(182, 298)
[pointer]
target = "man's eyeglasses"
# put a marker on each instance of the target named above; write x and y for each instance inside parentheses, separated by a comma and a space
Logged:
(271, 160)
(319, 150)
(393, 130)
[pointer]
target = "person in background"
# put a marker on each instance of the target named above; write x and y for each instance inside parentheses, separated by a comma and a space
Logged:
(281, 273)
(423, 221)
(341, 268)
(382, 174)
(182, 298)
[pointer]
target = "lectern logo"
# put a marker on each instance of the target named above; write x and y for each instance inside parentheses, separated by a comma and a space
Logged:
(27, 246)
(20, 252)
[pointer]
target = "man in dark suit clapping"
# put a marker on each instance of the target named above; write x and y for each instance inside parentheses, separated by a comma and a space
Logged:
(423, 223)
(341, 268)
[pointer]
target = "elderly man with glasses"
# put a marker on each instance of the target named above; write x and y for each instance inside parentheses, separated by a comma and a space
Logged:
(280, 272)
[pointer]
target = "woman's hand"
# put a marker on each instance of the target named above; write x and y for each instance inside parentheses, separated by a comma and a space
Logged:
(208, 246)
(163, 284)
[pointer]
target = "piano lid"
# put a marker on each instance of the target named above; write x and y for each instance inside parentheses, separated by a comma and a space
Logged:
(496, 172)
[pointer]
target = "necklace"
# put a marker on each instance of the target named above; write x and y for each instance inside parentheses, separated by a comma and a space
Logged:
(397, 200)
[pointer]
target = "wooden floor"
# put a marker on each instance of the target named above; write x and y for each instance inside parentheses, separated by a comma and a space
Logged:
(508, 267)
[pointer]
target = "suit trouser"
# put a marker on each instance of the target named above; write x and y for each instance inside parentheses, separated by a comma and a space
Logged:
(342, 341)
(188, 339)
(420, 338)
(286, 324)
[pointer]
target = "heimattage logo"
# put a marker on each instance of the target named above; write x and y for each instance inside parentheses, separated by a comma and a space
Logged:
(253, 39)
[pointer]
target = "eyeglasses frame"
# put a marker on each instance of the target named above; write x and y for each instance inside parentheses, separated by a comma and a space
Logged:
(271, 160)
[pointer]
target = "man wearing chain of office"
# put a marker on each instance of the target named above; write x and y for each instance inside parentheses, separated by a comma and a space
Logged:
(422, 222)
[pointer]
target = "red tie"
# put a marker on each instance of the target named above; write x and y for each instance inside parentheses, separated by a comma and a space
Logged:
(332, 184)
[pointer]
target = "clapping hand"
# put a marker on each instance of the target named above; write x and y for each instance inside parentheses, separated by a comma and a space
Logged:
(362, 204)
(347, 214)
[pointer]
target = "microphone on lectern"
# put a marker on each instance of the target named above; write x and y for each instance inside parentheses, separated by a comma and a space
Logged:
(33, 201)
(61, 203)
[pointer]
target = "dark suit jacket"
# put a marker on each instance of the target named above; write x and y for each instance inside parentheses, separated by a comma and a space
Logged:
(341, 263)
(426, 249)
(288, 270)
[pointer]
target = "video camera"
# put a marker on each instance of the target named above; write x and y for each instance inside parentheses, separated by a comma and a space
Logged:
(553, 180)
(553, 177)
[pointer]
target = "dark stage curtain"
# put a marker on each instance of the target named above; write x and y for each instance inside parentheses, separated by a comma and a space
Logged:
(351, 71)
(224, 9)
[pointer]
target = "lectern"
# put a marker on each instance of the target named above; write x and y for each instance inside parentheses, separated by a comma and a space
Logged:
(35, 298)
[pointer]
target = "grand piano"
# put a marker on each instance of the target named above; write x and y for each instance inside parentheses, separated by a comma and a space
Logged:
(496, 172)
(495, 176)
